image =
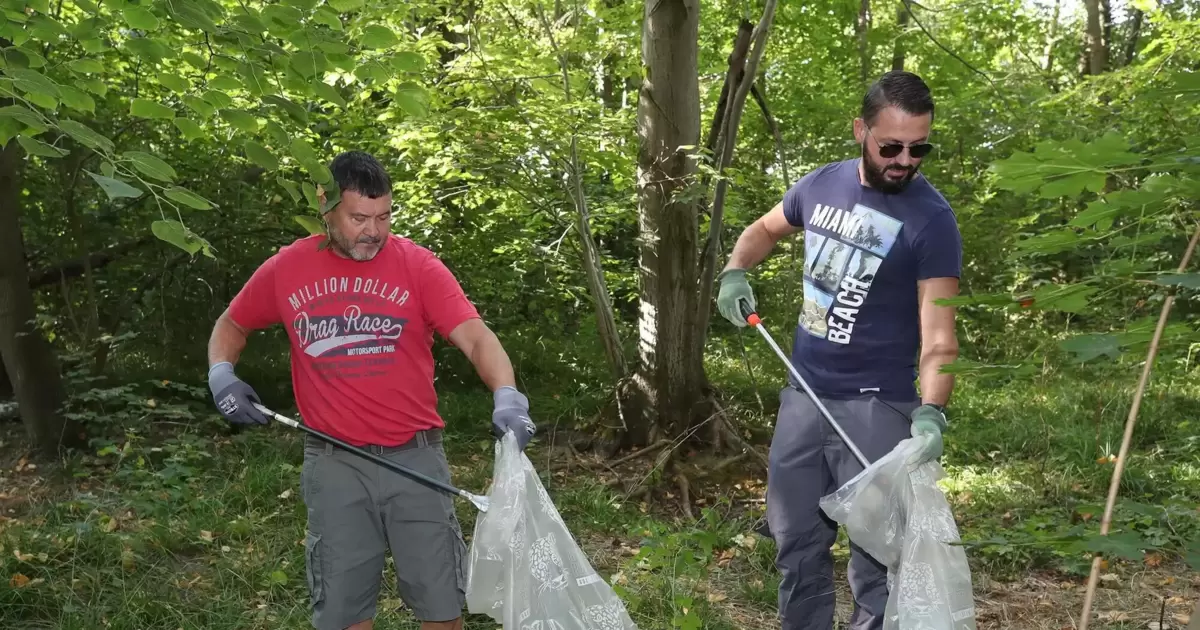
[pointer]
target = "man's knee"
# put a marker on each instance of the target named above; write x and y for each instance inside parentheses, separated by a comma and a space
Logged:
(454, 624)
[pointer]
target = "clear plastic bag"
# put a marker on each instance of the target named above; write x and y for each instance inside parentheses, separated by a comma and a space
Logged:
(896, 513)
(526, 571)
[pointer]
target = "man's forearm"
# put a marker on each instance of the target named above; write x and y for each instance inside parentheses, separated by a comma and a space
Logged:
(492, 362)
(936, 387)
(751, 248)
(226, 342)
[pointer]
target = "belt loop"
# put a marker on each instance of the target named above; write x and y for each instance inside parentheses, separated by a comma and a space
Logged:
(328, 448)
(422, 439)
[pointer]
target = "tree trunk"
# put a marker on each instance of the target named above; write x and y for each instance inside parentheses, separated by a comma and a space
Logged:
(6, 388)
(28, 358)
(901, 25)
(863, 28)
(1135, 32)
(1097, 52)
(666, 394)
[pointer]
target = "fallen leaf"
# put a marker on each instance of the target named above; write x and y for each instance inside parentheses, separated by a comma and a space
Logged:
(1109, 577)
(1182, 619)
(18, 580)
(714, 598)
(1114, 615)
(206, 536)
(285, 494)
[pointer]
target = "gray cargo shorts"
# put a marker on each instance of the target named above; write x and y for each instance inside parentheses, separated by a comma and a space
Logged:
(358, 510)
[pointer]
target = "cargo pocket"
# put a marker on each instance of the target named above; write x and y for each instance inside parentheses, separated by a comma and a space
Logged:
(316, 577)
(459, 549)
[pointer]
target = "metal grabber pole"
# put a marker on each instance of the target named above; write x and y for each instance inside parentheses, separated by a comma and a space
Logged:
(755, 322)
(480, 502)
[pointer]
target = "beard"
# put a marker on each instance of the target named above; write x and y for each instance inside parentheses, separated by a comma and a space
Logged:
(877, 175)
(352, 249)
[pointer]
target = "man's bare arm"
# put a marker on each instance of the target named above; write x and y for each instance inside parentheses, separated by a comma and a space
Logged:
(939, 343)
(483, 348)
(757, 241)
(227, 341)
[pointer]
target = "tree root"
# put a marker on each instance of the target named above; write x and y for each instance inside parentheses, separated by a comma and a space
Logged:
(685, 500)
(649, 449)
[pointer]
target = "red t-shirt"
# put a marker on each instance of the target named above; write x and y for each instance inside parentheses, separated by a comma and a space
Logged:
(361, 333)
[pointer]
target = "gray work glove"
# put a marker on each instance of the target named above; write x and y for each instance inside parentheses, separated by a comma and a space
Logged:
(734, 290)
(512, 412)
(234, 398)
(928, 420)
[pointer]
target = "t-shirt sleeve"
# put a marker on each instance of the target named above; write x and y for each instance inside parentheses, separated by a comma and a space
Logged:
(255, 305)
(938, 248)
(793, 200)
(442, 299)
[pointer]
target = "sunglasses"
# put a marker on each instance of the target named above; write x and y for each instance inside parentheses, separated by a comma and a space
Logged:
(893, 149)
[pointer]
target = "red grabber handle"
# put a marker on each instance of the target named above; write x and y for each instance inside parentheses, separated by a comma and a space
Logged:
(750, 316)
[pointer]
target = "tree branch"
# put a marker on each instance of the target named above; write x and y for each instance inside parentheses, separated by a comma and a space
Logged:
(1119, 468)
(728, 142)
(76, 267)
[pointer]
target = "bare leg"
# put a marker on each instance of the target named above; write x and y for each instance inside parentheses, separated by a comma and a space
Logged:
(362, 625)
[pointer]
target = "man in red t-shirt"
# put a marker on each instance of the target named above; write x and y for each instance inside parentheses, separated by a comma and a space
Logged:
(361, 314)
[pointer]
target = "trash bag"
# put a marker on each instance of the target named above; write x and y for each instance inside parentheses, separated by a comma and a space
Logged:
(896, 513)
(526, 572)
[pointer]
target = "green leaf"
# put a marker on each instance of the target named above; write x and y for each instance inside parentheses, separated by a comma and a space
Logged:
(26, 117)
(291, 187)
(174, 82)
(47, 29)
(200, 106)
(151, 50)
(310, 195)
(139, 18)
(77, 99)
(329, 93)
(343, 6)
(377, 36)
(143, 108)
(281, 20)
(115, 188)
(296, 112)
(194, 60)
(240, 120)
(302, 151)
(312, 224)
(259, 154)
(303, 5)
(1091, 346)
(309, 64)
(319, 172)
(333, 196)
(1186, 280)
(407, 62)
(94, 85)
(276, 132)
(327, 16)
(225, 83)
(85, 135)
(187, 198)
(413, 99)
(34, 146)
(966, 367)
(189, 129)
(1065, 168)
(1070, 298)
(86, 66)
(150, 166)
(45, 101)
(177, 234)
(1050, 242)
(218, 98)
(33, 82)
(374, 71)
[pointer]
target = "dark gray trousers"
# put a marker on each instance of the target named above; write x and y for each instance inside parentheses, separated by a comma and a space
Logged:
(808, 460)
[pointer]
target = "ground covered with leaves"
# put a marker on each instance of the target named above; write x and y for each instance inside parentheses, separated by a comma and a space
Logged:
(179, 522)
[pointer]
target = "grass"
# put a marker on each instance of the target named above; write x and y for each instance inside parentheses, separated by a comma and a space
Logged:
(178, 522)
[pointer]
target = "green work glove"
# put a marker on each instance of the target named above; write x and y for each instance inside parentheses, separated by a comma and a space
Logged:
(734, 289)
(931, 421)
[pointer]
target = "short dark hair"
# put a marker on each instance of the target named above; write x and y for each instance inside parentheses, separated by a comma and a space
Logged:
(897, 88)
(360, 172)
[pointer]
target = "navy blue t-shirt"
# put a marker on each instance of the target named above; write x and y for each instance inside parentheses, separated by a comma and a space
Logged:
(864, 252)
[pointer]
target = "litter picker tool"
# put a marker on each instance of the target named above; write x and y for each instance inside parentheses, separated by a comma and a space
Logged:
(480, 502)
(755, 322)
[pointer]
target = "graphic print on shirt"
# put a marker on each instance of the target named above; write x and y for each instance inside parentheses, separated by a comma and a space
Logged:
(839, 268)
(348, 324)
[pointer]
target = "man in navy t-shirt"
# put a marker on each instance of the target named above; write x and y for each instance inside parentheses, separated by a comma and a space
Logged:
(881, 245)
